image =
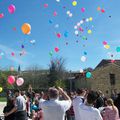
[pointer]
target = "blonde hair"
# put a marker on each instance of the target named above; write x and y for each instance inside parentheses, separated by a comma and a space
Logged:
(110, 103)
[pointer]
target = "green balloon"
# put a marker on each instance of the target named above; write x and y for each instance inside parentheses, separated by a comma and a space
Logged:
(88, 75)
(118, 49)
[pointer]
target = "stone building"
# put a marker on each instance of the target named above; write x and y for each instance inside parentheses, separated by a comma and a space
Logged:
(105, 77)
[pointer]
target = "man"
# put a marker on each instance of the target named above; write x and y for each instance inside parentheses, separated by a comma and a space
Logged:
(54, 109)
(19, 108)
(87, 111)
(78, 100)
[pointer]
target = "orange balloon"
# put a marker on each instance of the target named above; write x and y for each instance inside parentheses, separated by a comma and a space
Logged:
(26, 28)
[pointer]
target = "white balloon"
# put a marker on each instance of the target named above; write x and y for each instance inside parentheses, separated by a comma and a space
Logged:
(70, 15)
(76, 32)
(81, 22)
(75, 27)
(68, 12)
(83, 58)
(78, 24)
(19, 81)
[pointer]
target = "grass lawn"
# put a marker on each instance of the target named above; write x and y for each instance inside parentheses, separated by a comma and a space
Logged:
(2, 99)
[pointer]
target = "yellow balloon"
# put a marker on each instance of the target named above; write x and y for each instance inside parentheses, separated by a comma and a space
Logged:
(74, 3)
(107, 46)
(90, 19)
(26, 28)
(89, 31)
(1, 89)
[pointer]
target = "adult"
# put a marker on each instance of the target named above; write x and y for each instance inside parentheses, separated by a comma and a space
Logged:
(19, 108)
(110, 111)
(54, 109)
(78, 100)
(100, 101)
(117, 103)
(87, 111)
(8, 108)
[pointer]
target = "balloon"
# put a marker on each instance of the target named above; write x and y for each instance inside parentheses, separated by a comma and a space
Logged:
(118, 49)
(1, 89)
(11, 79)
(58, 35)
(102, 10)
(54, 13)
(19, 81)
(68, 12)
(50, 53)
(98, 8)
(107, 46)
(57, 0)
(26, 28)
(50, 21)
(13, 54)
(83, 9)
(45, 5)
(11, 9)
(76, 32)
(66, 34)
(83, 58)
(88, 75)
(90, 19)
(74, 3)
(1, 15)
(56, 49)
(104, 43)
(89, 31)
(70, 15)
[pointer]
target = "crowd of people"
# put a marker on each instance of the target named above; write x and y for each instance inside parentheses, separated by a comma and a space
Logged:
(57, 104)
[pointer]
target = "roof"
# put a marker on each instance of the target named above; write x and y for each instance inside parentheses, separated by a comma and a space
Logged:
(106, 62)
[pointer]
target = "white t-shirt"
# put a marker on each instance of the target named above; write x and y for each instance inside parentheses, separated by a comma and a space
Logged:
(89, 113)
(55, 109)
(76, 101)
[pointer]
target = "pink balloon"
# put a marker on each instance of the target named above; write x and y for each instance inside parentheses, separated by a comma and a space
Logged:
(19, 81)
(55, 13)
(11, 79)
(104, 43)
(56, 49)
(1, 15)
(45, 5)
(83, 9)
(58, 35)
(11, 9)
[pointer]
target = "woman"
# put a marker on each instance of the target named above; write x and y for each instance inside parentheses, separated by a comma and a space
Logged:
(110, 111)
(9, 107)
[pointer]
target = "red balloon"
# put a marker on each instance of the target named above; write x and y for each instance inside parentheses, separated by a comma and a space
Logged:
(11, 79)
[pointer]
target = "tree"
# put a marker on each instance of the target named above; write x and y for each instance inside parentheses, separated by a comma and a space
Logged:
(57, 72)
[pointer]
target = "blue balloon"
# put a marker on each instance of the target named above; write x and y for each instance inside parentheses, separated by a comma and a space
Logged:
(88, 75)
(66, 34)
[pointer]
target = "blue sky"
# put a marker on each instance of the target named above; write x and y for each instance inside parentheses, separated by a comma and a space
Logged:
(105, 27)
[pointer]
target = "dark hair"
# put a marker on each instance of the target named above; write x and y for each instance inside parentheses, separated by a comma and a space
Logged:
(53, 92)
(16, 90)
(80, 91)
(92, 97)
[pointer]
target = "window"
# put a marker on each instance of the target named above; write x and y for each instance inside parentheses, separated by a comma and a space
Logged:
(112, 79)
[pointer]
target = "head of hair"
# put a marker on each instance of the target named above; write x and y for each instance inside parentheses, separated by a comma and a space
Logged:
(92, 97)
(80, 91)
(110, 103)
(53, 93)
(16, 91)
